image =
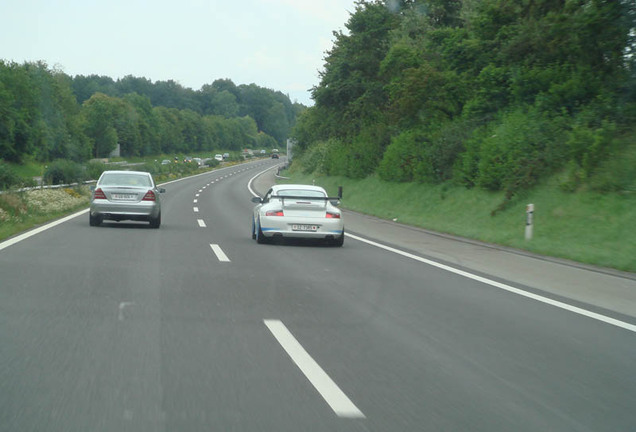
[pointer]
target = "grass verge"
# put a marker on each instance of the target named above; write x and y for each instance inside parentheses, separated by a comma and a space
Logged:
(587, 227)
(21, 211)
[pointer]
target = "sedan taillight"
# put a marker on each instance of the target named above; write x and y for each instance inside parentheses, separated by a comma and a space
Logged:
(99, 194)
(150, 196)
(274, 213)
(333, 215)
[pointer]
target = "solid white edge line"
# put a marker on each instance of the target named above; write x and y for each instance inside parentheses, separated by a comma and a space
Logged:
(219, 253)
(328, 389)
(31, 233)
(201, 223)
(565, 306)
(249, 183)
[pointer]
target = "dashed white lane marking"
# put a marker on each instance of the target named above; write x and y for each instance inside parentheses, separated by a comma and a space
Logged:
(195, 201)
(122, 305)
(219, 253)
(201, 223)
(196, 195)
(546, 300)
(196, 209)
(328, 389)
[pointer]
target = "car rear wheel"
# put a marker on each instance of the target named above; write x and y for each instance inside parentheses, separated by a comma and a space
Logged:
(253, 230)
(338, 241)
(260, 238)
(94, 220)
(155, 222)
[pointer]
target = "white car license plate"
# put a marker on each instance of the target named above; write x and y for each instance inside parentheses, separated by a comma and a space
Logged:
(127, 197)
(304, 227)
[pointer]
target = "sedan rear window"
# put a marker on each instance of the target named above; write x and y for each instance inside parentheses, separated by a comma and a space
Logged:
(125, 180)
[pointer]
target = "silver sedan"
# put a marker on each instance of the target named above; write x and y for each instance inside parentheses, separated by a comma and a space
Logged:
(301, 211)
(126, 195)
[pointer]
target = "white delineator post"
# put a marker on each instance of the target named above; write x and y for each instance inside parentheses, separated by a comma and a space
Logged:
(529, 220)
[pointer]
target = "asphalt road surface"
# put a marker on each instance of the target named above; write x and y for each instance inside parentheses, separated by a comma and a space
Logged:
(195, 327)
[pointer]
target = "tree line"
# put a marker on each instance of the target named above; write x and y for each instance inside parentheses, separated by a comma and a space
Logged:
(487, 93)
(48, 115)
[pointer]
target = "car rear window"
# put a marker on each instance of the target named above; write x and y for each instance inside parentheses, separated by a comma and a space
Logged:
(125, 180)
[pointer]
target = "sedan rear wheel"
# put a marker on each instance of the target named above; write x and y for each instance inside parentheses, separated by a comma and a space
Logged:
(155, 222)
(94, 220)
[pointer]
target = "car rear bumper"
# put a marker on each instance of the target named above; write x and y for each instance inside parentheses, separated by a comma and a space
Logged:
(113, 210)
(325, 228)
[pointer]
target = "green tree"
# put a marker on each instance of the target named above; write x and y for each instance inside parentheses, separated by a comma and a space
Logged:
(147, 123)
(169, 129)
(99, 112)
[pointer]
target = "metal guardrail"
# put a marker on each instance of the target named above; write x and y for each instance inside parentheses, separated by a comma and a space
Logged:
(48, 187)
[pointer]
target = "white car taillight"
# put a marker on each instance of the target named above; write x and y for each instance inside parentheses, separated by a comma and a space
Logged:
(332, 215)
(274, 213)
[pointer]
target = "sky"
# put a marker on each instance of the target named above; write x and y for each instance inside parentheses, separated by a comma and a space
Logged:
(277, 44)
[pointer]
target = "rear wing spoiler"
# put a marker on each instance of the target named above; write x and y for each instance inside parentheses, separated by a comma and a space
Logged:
(284, 197)
(303, 197)
(332, 199)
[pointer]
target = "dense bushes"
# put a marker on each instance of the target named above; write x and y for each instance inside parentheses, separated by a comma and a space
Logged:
(8, 177)
(64, 172)
(94, 169)
(514, 152)
(403, 157)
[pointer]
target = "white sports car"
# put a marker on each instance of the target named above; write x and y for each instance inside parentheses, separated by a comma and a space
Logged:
(300, 211)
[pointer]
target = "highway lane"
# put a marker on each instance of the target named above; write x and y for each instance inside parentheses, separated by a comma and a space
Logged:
(123, 327)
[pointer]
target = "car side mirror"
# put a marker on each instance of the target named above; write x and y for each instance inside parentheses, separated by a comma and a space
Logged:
(257, 200)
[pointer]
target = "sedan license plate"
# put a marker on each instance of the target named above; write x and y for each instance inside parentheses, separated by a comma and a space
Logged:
(304, 227)
(127, 197)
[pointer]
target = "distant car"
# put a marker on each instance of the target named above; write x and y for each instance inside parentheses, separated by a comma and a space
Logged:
(275, 156)
(263, 151)
(126, 195)
(218, 157)
(226, 156)
(187, 159)
(176, 159)
(165, 162)
(198, 161)
(301, 211)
